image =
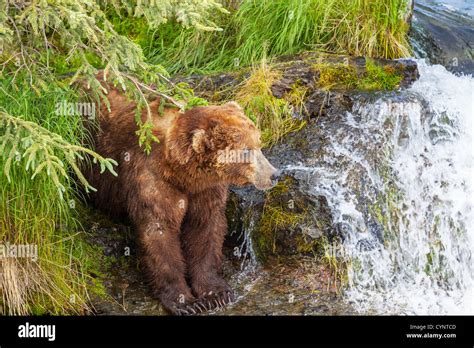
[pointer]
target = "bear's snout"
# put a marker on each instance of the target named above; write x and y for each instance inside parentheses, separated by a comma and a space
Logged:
(265, 175)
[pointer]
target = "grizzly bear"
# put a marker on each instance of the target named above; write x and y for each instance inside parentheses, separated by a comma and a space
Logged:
(176, 195)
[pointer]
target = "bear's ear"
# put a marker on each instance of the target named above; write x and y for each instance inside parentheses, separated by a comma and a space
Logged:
(234, 105)
(199, 141)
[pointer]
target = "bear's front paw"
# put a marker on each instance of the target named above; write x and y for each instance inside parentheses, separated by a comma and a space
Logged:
(213, 284)
(176, 302)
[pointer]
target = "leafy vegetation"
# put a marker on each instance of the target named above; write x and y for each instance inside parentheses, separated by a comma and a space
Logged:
(42, 149)
(38, 205)
(47, 46)
(45, 38)
(268, 28)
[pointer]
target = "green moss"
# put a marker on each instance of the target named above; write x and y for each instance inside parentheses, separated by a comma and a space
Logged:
(338, 264)
(279, 219)
(340, 76)
(283, 213)
(281, 187)
(276, 218)
(429, 263)
(336, 76)
(379, 78)
(94, 264)
(385, 209)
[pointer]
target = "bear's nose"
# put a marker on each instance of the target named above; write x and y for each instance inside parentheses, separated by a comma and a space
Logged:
(275, 176)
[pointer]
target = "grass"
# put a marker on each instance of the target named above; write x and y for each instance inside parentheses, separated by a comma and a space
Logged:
(268, 28)
(32, 213)
(272, 116)
(338, 265)
(258, 29)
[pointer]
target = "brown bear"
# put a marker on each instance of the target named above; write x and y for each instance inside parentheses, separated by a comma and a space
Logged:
(176, 196)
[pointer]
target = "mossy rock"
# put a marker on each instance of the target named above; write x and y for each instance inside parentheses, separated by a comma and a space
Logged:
(309, 83)
(282, 222)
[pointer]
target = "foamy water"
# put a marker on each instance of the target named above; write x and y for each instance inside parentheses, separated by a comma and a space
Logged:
(398, 177)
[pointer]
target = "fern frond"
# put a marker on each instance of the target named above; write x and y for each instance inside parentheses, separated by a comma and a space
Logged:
(43, 151)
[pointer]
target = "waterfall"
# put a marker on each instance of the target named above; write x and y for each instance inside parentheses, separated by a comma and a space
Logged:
(398, 176)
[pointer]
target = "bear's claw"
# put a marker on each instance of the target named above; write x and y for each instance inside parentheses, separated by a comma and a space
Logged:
(218, 301)
(186, 309)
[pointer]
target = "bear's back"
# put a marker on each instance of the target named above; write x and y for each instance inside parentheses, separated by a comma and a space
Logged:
(117, 138)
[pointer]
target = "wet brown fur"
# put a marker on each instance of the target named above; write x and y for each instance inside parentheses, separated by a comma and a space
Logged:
(176, 196)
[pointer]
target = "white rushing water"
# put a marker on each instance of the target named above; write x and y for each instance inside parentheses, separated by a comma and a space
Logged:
(399, 181)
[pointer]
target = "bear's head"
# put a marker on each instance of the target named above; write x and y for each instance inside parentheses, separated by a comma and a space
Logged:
(221, 144)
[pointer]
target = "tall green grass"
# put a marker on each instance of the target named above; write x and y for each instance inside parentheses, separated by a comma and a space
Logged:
(32, 213)
(268, 28)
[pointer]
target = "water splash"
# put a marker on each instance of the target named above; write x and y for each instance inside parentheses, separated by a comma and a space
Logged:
(398, 177)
